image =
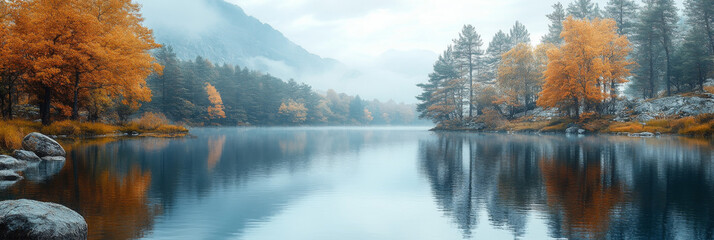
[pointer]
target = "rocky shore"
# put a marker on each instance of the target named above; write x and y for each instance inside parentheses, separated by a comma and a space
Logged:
(39, 157)
(688, 115)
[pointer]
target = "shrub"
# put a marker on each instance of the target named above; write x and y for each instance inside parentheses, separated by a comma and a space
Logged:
(150, 121)
(491, 118)
(682, 123)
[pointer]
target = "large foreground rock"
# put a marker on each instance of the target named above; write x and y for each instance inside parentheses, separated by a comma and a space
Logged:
(7, 162)
(28, 219)
(26, 156)
(42, 145)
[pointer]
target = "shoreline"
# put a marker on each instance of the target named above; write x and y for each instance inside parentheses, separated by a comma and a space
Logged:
(700, 126)
(13, 131)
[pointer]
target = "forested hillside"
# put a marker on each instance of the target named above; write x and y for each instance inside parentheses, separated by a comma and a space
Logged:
(590, 61)
(224, 33)
(200, 93)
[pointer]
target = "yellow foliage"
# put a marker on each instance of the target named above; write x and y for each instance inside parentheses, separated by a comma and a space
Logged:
(586, 70)
(519, 76)
(293, 112)
(368, 115)
(216, 110)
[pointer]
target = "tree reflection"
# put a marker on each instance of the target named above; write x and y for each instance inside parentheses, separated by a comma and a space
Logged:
(114, 204)
(591, 187)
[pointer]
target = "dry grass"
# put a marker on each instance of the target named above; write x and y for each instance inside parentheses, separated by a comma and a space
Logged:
(170, 129)
(524, 126)
(153, 123)
(10, 137)
(701, 126)
(74, 128)
(12, 132)
(709, 89)
(96, 129)
(634, 127)
(66, 127)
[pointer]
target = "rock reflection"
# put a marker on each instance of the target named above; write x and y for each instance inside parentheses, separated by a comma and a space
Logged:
(43, 170)
(588, 188)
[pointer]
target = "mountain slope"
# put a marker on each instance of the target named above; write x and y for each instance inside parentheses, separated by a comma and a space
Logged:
(224, 33)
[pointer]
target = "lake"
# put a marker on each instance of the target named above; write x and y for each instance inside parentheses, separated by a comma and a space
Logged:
(382, 183)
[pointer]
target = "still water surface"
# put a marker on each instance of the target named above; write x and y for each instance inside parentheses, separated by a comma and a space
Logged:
(383, 183)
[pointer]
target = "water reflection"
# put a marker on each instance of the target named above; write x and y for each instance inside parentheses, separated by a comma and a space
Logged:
(585, 188)
(338, 183)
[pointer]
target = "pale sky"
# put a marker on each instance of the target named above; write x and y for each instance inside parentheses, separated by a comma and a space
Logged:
(396, 40)
(351, 30)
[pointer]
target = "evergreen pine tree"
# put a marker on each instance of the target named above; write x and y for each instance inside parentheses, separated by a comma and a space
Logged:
(556, 19)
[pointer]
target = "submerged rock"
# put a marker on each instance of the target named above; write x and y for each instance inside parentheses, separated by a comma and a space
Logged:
(26, 156)
(572, 130)
(642, 134)
(9, 175)
(7, 162)
(54, 159)
(42, 145)
(43, 170)
(29, 219)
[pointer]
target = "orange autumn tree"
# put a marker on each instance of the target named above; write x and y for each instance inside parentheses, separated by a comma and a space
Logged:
(585, 71)
(518, 78)
(216, 110)
(120, 60)
(292, 111)
(77, 46)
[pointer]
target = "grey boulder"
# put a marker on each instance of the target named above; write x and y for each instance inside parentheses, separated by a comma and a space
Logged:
(42, 145)
(26, 156)
(29, 219)
(7, 162)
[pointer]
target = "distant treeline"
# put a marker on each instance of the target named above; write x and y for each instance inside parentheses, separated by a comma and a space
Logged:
(200, 93)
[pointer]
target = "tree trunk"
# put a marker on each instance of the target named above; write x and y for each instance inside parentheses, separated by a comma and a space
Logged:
(710, 35)
(471, 86)
(75, 101)
(651, 72)
(45, 105)
(667, 74)
(10, 89)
